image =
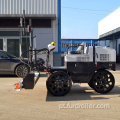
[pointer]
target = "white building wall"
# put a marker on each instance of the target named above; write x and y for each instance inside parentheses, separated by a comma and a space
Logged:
(43, 36)
(109, 23)
(55, 33)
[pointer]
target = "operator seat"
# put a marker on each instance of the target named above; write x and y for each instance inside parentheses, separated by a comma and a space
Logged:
(80, 50)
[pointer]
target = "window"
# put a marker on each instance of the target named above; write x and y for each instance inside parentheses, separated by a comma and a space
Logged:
(2, 54)
(1, 44)
(8, 23)
(9, 33)
(15, 22)
(38, 23)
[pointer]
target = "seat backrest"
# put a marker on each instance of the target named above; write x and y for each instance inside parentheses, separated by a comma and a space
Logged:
(81, 48)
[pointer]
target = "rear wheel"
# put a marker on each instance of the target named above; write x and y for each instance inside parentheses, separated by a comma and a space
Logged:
(103, 81)
(22, 71)
(58, 84)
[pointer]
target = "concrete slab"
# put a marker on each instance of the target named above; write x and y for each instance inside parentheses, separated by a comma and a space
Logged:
(82, 103)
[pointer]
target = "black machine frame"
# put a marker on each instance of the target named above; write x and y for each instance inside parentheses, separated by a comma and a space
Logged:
(82, 72)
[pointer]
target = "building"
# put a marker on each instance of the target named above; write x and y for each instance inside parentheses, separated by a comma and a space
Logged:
(46, 25)
(76, 42)
(109, 31)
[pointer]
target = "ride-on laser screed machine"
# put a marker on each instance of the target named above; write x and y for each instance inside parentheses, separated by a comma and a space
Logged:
(85, 65)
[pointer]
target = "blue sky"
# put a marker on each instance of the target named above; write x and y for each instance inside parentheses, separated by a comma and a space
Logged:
(80, 17)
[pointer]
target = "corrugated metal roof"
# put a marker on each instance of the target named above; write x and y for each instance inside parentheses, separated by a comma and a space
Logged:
(43, 7)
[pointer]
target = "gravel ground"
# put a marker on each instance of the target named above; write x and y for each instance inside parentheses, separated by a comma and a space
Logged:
(81, 103)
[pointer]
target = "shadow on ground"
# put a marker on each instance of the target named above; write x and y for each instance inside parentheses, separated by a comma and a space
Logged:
(43, 75)
(83, 93)
(7, 76)
(118, 66)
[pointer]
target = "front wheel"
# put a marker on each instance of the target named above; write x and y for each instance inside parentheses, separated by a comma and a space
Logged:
(59, 84)
(22, 71)
(90, 84)
(103, 81)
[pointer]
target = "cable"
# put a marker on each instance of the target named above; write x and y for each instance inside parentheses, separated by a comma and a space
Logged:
(86, 9)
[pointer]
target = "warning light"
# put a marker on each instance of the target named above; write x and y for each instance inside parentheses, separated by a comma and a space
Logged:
(47, 73)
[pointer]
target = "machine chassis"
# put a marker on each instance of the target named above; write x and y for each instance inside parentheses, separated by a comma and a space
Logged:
(82, 72)
(95, 74)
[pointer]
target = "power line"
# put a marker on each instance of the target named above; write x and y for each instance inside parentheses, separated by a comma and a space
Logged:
(86, 9)
(88, 12)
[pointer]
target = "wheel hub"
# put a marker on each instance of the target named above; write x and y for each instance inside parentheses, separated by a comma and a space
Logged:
(102, 81)
(59, 83)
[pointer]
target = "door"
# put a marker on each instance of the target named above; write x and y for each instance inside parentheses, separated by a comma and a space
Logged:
(1, 44)
(13, 47)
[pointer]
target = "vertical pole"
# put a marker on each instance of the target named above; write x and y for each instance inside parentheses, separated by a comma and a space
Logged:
(105, 42)
(35, 55)
(71, 45)
(30, 54)
(30, 40)
(4, 44)
(98, 42)
(116, 48)
(94, 55)
(24, 22)
(113, 42)
(109, 43)
(20, 43)
(59, 26)
(30, 24)
(30, 48)
(35, 43)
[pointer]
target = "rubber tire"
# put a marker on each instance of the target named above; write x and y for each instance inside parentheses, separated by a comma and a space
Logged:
(90, 84)
(50, 78)
(95, 77)
(22, 68)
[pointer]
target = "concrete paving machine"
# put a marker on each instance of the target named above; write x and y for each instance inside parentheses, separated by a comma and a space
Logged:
(85, 65)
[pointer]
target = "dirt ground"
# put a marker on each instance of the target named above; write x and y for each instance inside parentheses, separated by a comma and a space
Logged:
(38, 104)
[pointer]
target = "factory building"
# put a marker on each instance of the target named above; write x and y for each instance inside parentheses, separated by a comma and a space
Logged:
(109, 32)
(46, 25)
